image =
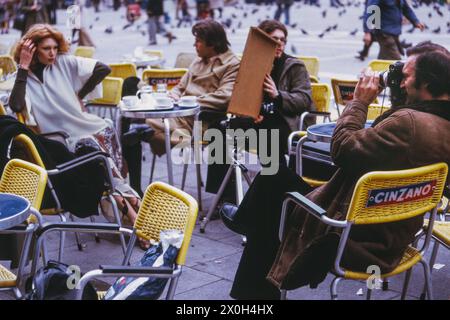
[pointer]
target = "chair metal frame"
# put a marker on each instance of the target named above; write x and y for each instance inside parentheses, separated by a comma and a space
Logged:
(148, 225)
(29, 147)
(358, 214)
(321, 96)
(31, 188)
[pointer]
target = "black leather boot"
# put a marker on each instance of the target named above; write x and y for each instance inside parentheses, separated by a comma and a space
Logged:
(228, 215)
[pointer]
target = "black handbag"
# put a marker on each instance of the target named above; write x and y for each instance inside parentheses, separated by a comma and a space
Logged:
(19, 21)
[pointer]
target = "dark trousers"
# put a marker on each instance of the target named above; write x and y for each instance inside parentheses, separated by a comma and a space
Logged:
(389, 47)
(260, 213)
(217, 172)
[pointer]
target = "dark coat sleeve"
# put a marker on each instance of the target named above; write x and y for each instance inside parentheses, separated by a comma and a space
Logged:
(386, 145)
(296, 92)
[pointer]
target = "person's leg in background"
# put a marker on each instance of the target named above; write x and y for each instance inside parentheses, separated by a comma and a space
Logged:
(278, 12)
(152, 27)
(287, 20)
(388, 47)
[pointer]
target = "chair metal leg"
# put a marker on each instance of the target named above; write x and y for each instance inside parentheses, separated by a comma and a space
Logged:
(369, 294)
(427, 276)
(216, 199)
(80, 245)
(405, 284)
(199, 185)
(183, 179)
(432, 261)
(119, 222)
(152, 169)
(17, 293)
(333, 288)
(172, 286)
(283, 295)
(62, 238)
(97, 238)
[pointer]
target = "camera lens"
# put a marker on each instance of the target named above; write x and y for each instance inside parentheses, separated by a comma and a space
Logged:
(383, 79)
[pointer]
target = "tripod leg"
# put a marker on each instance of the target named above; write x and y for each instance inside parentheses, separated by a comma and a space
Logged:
(217, 198)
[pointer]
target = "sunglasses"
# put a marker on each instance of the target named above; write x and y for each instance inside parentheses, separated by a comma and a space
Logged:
(282, 40)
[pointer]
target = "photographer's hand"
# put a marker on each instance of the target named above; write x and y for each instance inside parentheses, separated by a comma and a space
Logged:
(367, 88)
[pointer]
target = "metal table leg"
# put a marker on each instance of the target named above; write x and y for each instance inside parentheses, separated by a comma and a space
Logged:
(168, 150)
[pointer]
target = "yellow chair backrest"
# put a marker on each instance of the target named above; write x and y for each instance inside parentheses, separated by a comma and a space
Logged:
(24, 148)
(171, 77)
(312, 65)
(165, 207)
(381, 65)
(184, 59)
(343, 90)
(376, 110)
(123, 70)
(24, 179)
(389, 196)
(112, 91)
(321, 95)
(7, 64)
(84, 51)
(313, 79)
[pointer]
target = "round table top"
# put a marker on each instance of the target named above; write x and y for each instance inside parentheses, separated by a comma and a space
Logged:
(323, 132)
(175, 112)
(14, 210)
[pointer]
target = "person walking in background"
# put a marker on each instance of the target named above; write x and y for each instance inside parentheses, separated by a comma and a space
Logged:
(216, 4)
(155, 9)
(283, 6)
(50, 6)
(35, 12)
(387, 34)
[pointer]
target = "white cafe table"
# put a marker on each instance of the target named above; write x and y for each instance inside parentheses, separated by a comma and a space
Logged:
(165, 115)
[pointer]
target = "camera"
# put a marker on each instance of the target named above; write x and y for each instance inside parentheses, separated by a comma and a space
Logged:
(392, 79)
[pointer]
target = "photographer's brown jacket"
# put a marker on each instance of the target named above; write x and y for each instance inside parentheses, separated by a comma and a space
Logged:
(407, 138)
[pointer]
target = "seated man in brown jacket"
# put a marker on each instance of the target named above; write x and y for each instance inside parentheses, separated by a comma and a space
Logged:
(405, 137)
(210, 78)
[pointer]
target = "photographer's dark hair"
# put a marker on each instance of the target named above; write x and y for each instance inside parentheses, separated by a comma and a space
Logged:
(425, 46)
(212, 33)
(433, 70)
(269, 26)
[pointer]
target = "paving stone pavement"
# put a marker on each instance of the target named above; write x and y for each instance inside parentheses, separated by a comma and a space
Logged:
(213, 256)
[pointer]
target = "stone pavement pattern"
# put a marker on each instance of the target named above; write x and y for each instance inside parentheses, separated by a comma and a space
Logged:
(214, 255)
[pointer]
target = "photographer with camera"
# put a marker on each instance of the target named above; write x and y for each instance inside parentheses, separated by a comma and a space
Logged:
(407, 136)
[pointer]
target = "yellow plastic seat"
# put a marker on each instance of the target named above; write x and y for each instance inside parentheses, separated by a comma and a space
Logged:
(381, 65)
(312, 65)
(7, 64)
(24, 148)
(123, 70)
(170, 77)
(29, 181)
(321, 96)
(376, 110)
(365, 210)
(84, 51)
(164, 207)
(313, 79)
(112, 94)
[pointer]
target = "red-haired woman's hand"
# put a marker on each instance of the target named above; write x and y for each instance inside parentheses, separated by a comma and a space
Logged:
(26, 54)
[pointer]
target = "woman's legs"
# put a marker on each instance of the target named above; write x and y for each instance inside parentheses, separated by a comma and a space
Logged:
(259, 213)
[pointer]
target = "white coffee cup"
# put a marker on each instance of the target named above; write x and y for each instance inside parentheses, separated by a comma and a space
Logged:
(130, 101)
(188, 101)
(163, 102)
